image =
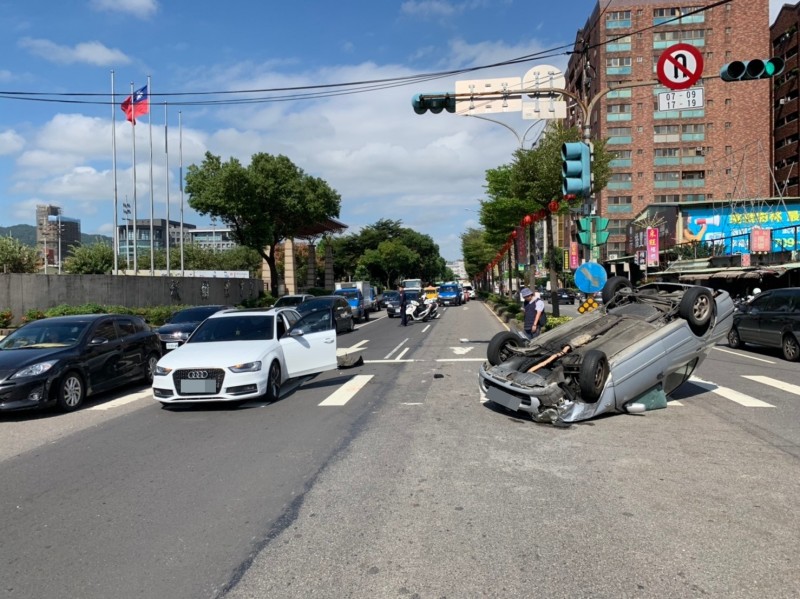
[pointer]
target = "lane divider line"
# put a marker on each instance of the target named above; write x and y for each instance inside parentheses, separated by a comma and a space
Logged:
(110, 405)
(734, 396)
(346, 392)
(398, 346)
(741, 355)
(765, 380)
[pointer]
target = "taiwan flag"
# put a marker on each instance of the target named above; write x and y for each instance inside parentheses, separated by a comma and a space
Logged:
(136, 105)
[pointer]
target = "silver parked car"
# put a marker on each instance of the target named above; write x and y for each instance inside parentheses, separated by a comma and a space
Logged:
(627, 356)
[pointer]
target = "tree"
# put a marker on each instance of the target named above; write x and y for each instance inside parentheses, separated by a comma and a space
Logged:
(16, 257)
(476, 250)
(265, 203)
(536, 178)
(92, 259)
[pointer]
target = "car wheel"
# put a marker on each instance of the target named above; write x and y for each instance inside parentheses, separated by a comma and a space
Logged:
(734, 340)
(150, 368)
(593, 375)
(791, 350)
(71, 392)
(273, 382)
(352, 326)
(612, 286)
(697, 307)
(499, 349)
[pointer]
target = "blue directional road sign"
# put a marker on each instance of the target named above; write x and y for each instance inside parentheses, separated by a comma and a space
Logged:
(590, 277)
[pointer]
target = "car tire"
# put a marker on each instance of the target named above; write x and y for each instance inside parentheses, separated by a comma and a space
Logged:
(734, 340)
(790, 348)
(593, 375)
(71, 392)
(150, 368)
(273, 391)
(499, 347)
(352, 326)
(697, 308)
(612, 286)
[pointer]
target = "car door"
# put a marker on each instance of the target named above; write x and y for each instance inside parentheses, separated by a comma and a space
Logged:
(104, 355)
(133, 350)
(343, 315)
(747, 321)
(310, 345)
(775, 318)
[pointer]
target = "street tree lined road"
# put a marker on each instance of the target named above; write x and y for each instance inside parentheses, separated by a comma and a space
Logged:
(409, 484)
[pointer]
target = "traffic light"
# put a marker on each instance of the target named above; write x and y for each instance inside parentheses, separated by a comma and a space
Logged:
(600, 230)
(435, 102)
(585, 230)
(747, 70)
(576, 169)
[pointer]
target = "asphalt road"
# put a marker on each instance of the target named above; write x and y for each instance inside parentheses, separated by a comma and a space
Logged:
(394, 478)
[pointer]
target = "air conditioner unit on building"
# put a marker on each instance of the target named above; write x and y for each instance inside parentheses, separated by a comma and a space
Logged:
(612, 256)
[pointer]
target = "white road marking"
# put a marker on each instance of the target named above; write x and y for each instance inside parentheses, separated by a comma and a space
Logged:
(426, 328)
(411, 403)
(741, 355)
(461, 359)
(735, 396)
(110, 405)
(765, 380)
(357, 345)
(674, 403)
(398, 346)
(396, 361)
(402, 353)
(460, 351)
(346, 392)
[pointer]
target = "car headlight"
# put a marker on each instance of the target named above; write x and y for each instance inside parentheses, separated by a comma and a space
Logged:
(162, 371)
(180, 335)
(246, 367)
(34, 369)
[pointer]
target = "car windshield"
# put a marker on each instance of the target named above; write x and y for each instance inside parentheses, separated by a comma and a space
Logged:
(39, 334)
(249, 327)
(412, 296)
(448, 289)
(348, 293)
(193, 314)
(391, 295)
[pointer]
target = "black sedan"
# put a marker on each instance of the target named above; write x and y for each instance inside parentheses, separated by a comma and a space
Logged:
(60, 361)
(341, 312)
(182, 323)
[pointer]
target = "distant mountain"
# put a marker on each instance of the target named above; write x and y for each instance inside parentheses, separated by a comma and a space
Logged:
(27, 234)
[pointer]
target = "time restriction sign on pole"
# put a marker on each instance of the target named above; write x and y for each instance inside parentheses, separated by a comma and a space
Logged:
(680, 66)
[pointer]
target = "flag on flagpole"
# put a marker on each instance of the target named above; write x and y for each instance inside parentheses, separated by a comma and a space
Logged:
(136, 105)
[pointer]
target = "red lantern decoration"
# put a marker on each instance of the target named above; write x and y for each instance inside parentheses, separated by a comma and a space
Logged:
(514, 234)
(542, 213)
(527, 220)
(553, 206)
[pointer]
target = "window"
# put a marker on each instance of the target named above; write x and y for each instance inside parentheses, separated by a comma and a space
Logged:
(620, 158)
(618, 19)
(620, 44)
(620, 181)
(666, 179)
(666, 198)
(618, 112)
(106, 330)
(694, 197)
(618, 226)
(667, 156)
(693, 132)
(619, 135)
(619, 200)
(666, 133)
(618, 65)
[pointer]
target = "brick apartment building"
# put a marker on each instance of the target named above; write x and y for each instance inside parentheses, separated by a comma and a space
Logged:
(785, 102)
(718, 153)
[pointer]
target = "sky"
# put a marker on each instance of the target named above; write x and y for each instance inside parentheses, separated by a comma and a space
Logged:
(385, 161)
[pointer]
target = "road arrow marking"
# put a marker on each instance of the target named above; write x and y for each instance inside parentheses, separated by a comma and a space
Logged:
(460, 351)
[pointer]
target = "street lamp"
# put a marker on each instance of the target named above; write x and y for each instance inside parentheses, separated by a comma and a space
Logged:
(43, 225)
(126, 210)
(214, 234)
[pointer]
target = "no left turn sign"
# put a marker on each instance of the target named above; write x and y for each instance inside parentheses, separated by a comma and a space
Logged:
(680, 66)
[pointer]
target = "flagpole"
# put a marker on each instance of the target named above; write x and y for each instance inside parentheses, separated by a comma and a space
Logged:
(152, 199)
(180, 173)
(135, 200)
(114, 168)
(166, 179)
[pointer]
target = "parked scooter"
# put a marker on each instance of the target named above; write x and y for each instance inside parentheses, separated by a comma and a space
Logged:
(423, 311)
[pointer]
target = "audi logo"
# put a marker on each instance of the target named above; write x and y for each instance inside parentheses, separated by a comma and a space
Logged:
(197, 374)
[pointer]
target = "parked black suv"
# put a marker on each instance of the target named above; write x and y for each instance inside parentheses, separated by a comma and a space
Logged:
(771, 319)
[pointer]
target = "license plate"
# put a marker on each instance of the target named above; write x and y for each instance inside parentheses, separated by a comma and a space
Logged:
(506, 400)
(172, 344)
(202, 386)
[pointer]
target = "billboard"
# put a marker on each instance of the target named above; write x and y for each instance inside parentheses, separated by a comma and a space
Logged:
(733, 229)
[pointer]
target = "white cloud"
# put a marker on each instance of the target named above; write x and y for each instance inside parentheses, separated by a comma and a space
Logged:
(11, 142)
(429, 8)
(93, 53)
(142, 9)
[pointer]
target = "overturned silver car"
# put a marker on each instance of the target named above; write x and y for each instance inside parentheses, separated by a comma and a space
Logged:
(625, 357)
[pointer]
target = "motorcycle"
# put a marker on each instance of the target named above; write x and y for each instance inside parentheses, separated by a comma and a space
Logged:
(423, 311)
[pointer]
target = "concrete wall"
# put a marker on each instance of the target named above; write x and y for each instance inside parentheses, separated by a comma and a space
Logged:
(23, 292)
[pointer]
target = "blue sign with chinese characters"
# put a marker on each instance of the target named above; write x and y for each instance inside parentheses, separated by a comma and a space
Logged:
(732, 228)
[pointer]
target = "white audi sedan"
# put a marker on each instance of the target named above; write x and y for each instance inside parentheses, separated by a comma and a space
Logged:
(239, 355)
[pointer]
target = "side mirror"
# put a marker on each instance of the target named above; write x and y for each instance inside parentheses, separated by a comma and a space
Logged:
(296, 333)
(98, 341)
